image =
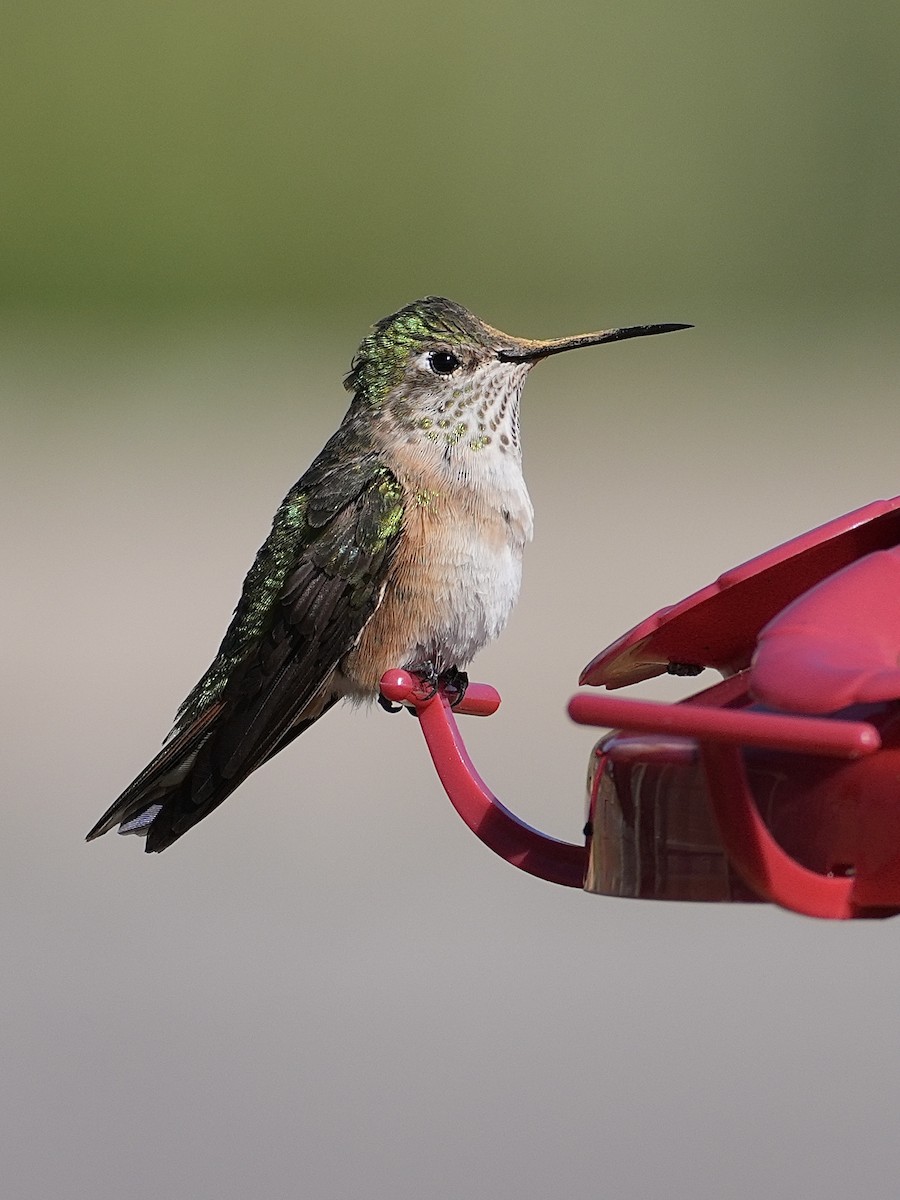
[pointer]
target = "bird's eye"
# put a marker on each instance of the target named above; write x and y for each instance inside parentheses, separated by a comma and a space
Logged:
(442, 362)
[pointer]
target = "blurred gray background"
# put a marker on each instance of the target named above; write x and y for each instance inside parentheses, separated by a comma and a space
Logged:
(330, 989)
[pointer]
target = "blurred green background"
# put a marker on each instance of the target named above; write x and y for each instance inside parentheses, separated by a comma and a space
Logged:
(345, 157)
(329, 989)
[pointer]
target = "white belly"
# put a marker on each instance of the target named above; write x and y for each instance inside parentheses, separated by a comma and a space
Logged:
(474, 584)
(457, 569)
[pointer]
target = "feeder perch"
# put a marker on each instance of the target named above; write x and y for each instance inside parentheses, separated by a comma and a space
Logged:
(780, 783)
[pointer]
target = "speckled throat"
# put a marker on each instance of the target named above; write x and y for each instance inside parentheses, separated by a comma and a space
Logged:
(476, 414)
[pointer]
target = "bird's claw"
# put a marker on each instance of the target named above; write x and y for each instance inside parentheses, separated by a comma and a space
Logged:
(428, 679)
(455, 683)
(428, 683)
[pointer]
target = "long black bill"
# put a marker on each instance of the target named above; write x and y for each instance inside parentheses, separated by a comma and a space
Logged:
(532, 351)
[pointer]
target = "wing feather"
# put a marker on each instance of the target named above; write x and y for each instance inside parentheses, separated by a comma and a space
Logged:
(279, 663)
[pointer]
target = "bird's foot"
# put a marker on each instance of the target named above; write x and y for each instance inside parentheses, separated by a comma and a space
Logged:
(428, 683)
(455, 683)
(427, 675)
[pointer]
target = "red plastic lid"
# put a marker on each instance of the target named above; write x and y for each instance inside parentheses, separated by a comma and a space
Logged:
(719, 625)
(836, 645)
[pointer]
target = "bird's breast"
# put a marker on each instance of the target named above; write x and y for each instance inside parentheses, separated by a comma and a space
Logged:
(454, 577)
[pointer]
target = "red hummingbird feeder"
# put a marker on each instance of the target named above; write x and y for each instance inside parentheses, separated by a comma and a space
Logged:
(780, 783)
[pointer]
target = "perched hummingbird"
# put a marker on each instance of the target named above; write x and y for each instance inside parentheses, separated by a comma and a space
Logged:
(401, 546)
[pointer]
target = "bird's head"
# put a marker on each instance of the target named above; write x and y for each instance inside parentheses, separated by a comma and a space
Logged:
(436, 367)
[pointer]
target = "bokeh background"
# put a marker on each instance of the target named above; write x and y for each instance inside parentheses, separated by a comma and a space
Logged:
(330, 989)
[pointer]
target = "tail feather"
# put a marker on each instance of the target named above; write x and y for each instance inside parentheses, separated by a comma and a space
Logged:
(142, 822)
(159, 778)
(205, 788)
(185, 782)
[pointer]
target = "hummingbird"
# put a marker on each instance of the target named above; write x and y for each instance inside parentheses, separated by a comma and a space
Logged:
(401, 546)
